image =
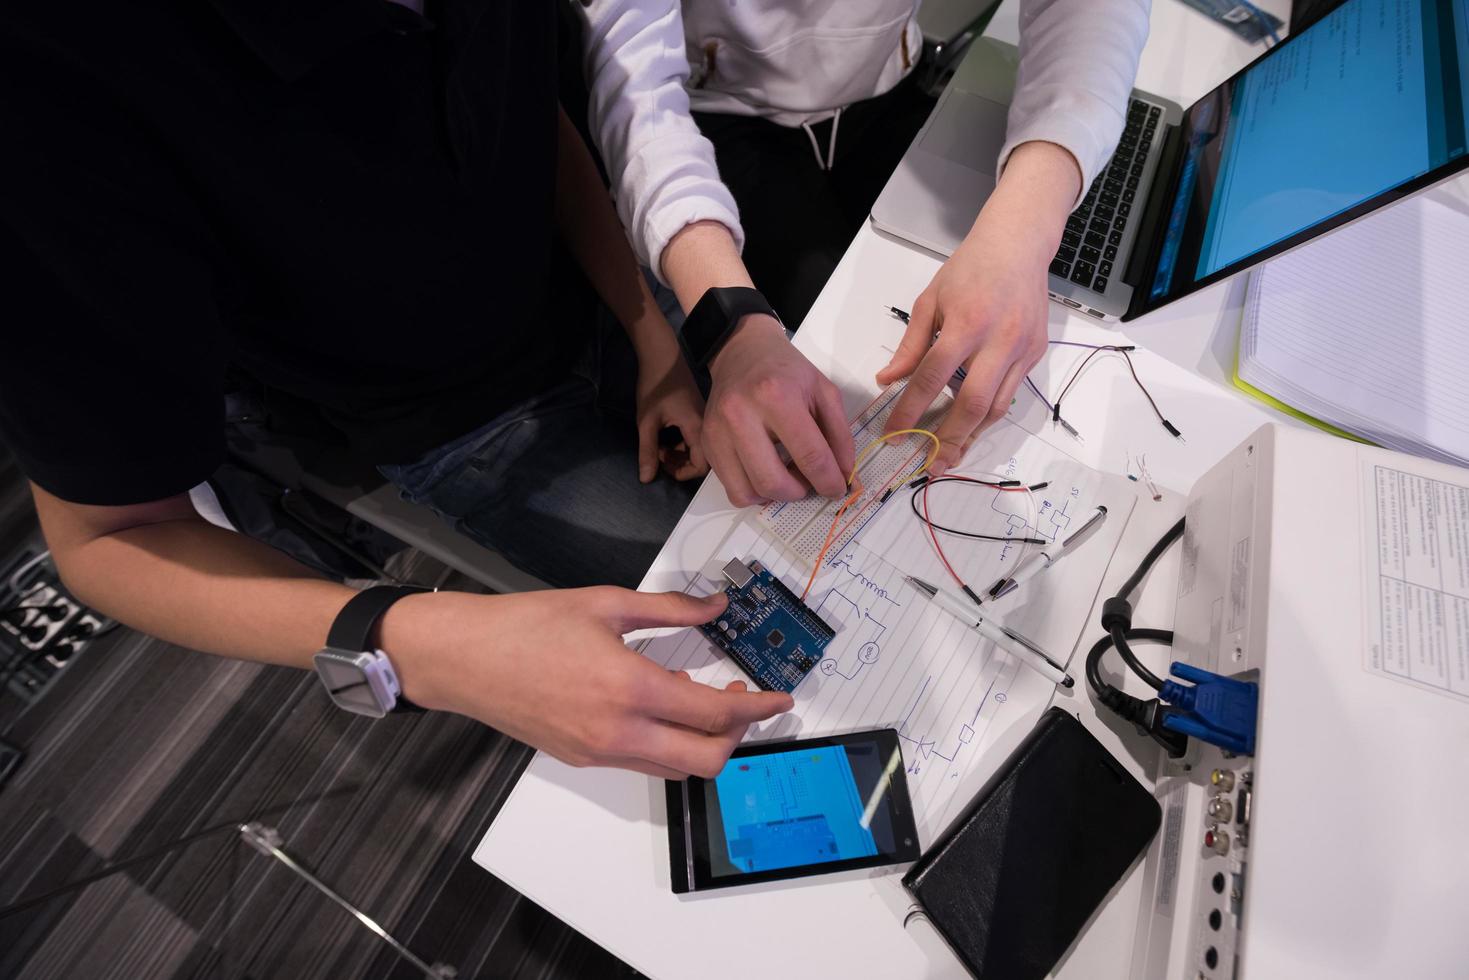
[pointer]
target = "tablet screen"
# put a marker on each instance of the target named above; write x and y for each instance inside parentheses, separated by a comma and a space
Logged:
(1362, 104)
(795, 808)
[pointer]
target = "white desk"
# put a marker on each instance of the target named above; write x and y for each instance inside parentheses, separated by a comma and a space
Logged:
(590, 845)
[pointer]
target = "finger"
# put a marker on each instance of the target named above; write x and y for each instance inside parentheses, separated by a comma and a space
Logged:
(685, 461)
(768, 475)
(684, 675)
(970, 408)
(626, 610)
(693, 437)
(727, 467)
(807, 445)
(832, 418)
(915, 343)
(926, 383)
(681, 750)
(1004, 395)
(685, 469)
(648, 427)
(705, 709)
(650, 769)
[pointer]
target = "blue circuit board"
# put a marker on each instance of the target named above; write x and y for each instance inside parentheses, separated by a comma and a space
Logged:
(767, 630)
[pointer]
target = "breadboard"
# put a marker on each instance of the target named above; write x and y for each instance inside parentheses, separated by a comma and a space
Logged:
(802, 525)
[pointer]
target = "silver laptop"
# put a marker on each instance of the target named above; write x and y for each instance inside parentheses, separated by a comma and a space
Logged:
(1260, 165)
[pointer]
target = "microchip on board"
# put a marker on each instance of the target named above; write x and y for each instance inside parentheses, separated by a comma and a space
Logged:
(767, 630)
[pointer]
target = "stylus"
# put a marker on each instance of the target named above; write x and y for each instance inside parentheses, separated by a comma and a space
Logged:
(1045, 558)
(993, 630)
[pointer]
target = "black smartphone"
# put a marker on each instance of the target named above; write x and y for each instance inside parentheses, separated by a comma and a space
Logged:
(790, 809)
(1010, 884)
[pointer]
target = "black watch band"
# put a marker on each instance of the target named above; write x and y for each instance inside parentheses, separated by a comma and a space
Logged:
(715, 316)
(352, 629)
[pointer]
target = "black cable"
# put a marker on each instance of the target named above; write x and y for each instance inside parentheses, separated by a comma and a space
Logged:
(166, 849)
(1056, 409)
(913, 503)
(1151, 558)
(1119, 638)
(1094, 656)
(114, 868)
(1144, 389)
(1124, 351)
(1148, 717)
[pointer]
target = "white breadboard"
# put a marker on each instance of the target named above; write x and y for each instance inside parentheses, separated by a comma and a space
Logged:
(802, 525)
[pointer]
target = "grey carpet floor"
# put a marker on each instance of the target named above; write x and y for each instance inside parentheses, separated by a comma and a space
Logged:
(141, 744)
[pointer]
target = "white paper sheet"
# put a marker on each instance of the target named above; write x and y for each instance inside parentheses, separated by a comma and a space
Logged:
(1416, 568)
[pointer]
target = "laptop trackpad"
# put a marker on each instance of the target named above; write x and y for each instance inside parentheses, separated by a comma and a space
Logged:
(970, 131)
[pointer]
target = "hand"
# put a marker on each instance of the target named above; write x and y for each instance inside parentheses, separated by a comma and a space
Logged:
(987, 304)
(766, 392)
(667, 396)
(550, 669)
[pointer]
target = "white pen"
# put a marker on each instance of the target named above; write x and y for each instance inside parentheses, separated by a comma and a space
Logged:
(991, 629)
(1044, 559)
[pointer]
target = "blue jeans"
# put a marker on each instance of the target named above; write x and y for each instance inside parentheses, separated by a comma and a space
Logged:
(552, 484)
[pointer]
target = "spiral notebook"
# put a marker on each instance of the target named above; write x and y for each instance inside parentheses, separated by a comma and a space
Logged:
(1366, 331)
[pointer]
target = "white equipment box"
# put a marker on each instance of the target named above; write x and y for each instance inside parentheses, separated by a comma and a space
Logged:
(1337, 575)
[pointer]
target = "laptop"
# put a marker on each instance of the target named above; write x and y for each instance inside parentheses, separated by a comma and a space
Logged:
(1362, 108)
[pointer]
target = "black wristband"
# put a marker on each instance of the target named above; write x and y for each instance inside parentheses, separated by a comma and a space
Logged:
(352, 629)
(715, 317)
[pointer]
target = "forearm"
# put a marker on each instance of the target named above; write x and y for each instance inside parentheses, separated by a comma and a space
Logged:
(190, 583)
(597, 241)
(700, 257)
(1078, 59)
(662, 167)
(1033, 198)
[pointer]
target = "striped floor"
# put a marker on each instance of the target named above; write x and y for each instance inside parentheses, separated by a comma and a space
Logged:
(141, 744)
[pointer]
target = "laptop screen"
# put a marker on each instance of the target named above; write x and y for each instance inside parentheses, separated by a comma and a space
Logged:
(1361, 103)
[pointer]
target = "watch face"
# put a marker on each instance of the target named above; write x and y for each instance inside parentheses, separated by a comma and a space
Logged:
(347, 683)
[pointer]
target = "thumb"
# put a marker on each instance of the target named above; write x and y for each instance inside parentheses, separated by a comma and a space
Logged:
(917, 339)
(641, 610)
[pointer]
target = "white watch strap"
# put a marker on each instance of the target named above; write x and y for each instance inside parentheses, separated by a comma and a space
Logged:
(383, 680)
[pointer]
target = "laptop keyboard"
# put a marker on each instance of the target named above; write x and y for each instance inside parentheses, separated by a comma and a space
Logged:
(1094, 230)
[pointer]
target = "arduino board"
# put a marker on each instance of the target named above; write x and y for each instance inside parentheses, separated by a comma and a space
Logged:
(767, 630)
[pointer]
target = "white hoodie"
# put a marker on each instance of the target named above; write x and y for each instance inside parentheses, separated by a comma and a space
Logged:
(798, 62)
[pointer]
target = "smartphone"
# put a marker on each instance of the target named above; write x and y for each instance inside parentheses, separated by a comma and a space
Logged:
(789, 809)
(1012, 882)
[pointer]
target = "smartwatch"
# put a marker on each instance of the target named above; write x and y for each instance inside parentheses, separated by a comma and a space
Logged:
(357, 677)
(715, 316)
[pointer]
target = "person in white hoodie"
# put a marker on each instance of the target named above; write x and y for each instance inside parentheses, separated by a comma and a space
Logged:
(804, 107)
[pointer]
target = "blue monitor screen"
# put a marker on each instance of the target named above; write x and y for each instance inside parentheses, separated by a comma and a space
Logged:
(794, 808)
(1367, 99)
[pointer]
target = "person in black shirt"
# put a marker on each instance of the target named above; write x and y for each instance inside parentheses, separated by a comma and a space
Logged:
(360, 205)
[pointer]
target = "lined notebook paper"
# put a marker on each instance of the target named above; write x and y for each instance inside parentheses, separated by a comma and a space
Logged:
(1367, 329)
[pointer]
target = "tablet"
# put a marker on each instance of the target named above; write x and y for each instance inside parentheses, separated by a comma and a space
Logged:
(790, 809)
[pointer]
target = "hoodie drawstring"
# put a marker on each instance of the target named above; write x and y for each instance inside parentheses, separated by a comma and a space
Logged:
(831, 144)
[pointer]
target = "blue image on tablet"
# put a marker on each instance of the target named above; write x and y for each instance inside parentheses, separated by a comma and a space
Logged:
(782, 810)
(792, 808)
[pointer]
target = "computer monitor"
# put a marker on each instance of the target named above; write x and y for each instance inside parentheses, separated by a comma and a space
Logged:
(1367, 105)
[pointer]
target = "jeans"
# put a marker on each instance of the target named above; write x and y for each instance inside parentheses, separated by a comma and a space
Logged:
(552, 484)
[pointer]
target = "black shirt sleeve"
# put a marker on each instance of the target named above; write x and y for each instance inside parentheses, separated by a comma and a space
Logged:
(112, 356)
